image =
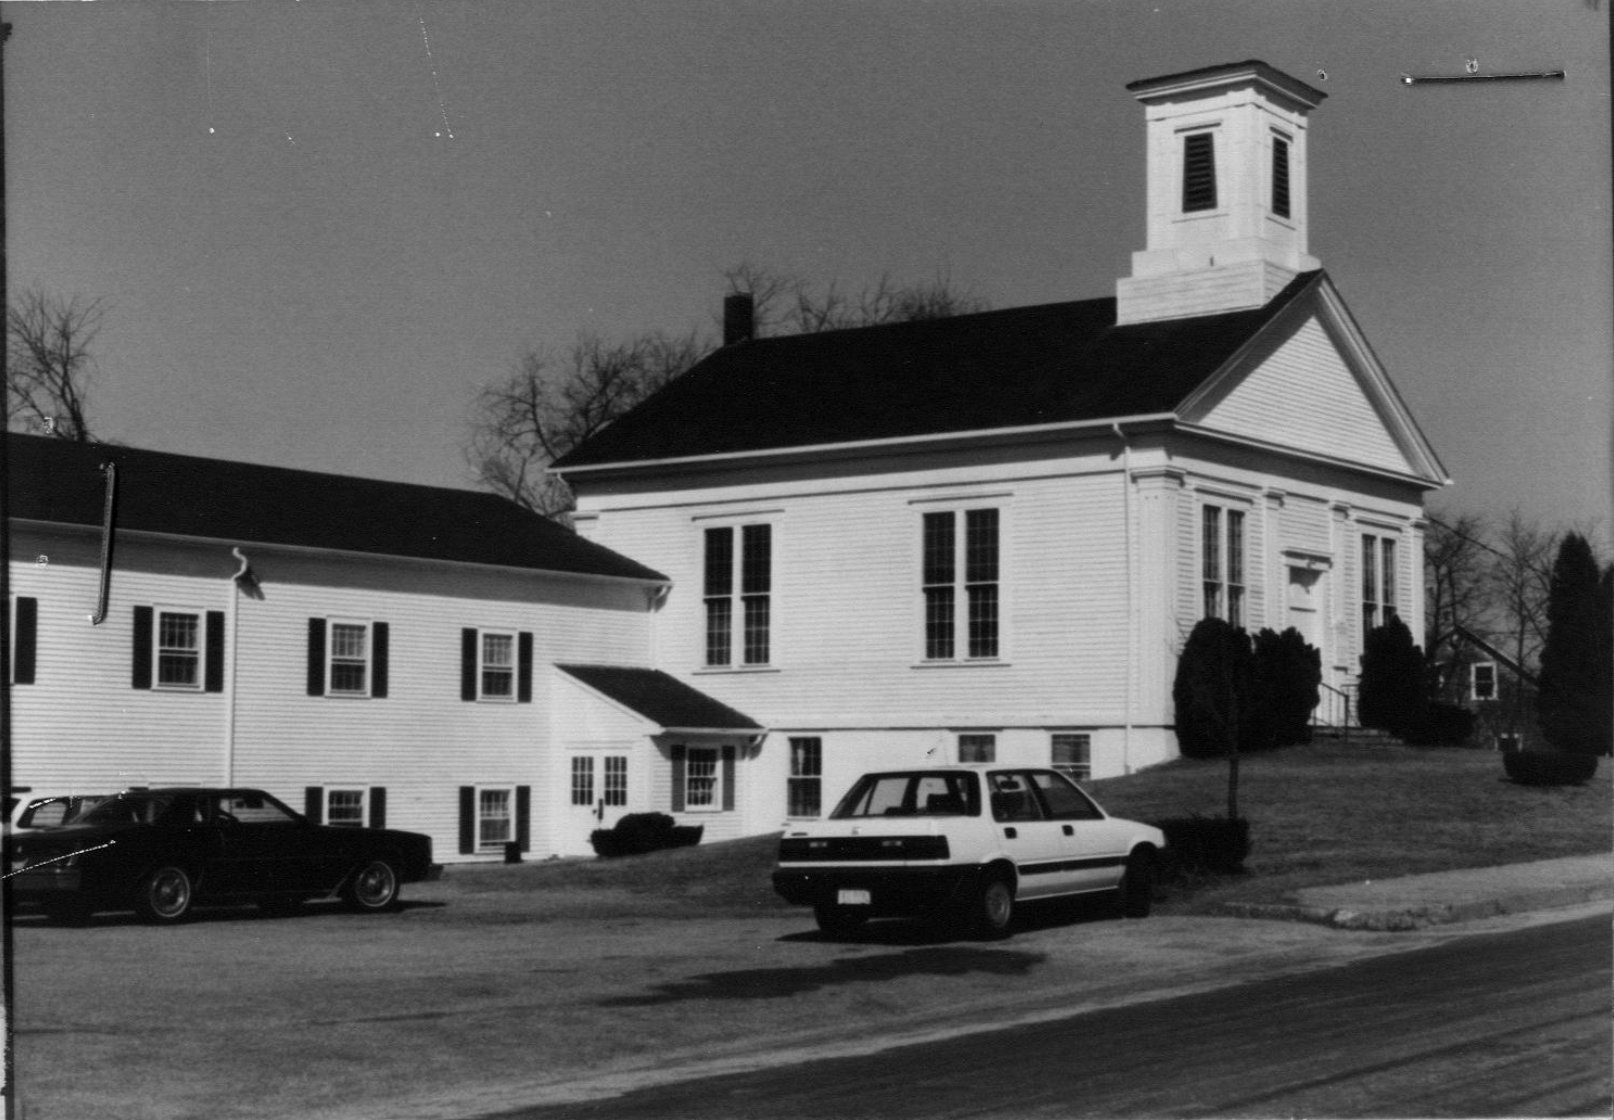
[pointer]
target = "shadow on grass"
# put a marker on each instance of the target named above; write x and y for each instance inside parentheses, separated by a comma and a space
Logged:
(782, 983)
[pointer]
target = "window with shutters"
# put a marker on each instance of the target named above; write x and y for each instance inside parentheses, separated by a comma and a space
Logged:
(1198, 172)
(960, 584)
(497, 678)
(345, 808)
(495, 817)
(348, 657)
(703, 780)
(1280, 176)
(737, 580)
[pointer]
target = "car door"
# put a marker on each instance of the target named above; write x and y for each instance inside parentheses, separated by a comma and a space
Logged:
(1036, 844)
(268, 848)
(1092, 845)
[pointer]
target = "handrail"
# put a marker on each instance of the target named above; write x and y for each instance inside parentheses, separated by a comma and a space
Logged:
(1343, 701)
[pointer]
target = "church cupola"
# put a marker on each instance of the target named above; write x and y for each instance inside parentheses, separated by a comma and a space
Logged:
(1226, 192)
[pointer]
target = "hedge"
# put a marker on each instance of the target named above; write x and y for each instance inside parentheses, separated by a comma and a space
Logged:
(1549, 768)
(638, 833)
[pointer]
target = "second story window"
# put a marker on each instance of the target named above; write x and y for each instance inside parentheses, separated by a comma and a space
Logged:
(960, 582)
(347, 657)
(178, 650)
(738, 589)
(1222, 563)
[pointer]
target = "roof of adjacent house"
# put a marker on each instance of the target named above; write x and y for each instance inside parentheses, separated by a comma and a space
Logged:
(662, 699)
(1024, 366)
(55, 480)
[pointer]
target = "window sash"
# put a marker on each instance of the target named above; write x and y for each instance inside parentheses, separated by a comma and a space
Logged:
(345, 808)
(582, 780)
(755, 612)
(349, 658)
(616, 780)
(179, 650)
(702, 778)
(804, 788)
(1071, 753)
(977, 558)
(498, 670)
(975, 747)
(495, 817)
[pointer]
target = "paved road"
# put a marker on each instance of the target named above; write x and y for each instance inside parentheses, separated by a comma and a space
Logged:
(1505, 1024)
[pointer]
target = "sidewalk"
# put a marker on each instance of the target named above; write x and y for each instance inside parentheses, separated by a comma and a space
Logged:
(1447, 896)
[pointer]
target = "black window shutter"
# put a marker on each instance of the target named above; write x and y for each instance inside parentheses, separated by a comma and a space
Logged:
(378, 806)
(467, 820)
(468, 663)
(379, 637)
(314, 804)
(728, 778)
(141, 674)
(524, 668)
(680, 761)
(214, 679)
(26, 629)
(316, 657)
(1199, 172)
(524, 817)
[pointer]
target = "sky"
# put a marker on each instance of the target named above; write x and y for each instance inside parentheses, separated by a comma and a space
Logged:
(318, 228)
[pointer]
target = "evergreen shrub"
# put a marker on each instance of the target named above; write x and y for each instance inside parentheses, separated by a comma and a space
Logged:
(638, 833)
(1549, 768)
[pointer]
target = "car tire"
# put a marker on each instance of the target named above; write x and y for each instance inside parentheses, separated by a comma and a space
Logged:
(991, 910)
(165, 894)
(1137, 885)
(68, 911)
(840, 921)
(373, 888)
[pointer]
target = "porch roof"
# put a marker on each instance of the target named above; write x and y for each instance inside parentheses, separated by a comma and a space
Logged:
(662, 699)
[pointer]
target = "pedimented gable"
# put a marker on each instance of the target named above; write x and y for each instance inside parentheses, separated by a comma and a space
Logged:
(1309, 382)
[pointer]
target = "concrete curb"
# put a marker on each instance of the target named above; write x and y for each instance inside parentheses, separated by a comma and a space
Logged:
(1422, 915)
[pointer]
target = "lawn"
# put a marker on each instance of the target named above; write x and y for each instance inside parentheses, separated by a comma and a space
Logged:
(1320, 814)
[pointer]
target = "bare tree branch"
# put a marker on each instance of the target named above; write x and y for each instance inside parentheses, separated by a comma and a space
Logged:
(49, 366)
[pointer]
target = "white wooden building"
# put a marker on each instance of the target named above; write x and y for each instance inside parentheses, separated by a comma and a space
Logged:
(374, 652)
(988, 536)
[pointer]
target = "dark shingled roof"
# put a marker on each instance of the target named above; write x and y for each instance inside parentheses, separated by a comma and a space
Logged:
(662, 699)
(59, 481)
(1054, 363)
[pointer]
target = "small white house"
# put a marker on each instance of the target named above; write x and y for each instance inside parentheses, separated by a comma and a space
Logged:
(986, 537)
(372, 652)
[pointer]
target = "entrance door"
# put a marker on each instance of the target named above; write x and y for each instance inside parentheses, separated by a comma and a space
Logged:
(599, 794)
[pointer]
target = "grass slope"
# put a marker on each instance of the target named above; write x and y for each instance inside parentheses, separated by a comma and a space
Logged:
(1320, 814)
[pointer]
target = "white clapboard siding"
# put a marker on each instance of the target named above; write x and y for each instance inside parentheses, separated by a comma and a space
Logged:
(1305, 396)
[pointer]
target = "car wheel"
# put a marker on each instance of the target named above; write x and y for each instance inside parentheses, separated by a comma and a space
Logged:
(840, 921)
(165, 894)
(992, 909)
(68, 911)
(373, 887)
(1137, 885)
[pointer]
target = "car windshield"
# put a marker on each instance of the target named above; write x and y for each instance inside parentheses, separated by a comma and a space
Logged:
(129, 808)
(917, 794)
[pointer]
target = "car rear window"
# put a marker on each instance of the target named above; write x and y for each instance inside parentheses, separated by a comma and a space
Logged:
(915, 794)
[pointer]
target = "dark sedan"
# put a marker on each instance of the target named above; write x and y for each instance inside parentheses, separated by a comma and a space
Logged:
(161, 851)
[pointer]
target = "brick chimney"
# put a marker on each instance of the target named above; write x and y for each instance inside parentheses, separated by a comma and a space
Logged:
(739, 318)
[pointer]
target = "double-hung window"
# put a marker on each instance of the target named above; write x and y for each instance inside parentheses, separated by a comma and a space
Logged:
(1222, 563)
(496, 665)
(1378, 581)
(495, 817)
(738, 590)
(960, 584)
(344, 808)
(805, 789)
(347, 657)
(702, 789)
(177, 649)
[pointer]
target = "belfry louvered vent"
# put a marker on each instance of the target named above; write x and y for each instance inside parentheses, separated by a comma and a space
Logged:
(1199, 172)
(1280, 177)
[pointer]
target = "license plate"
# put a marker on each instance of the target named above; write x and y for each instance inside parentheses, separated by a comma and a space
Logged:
(853, 898)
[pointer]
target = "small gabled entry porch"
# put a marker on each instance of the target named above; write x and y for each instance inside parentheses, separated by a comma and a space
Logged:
(640, 740)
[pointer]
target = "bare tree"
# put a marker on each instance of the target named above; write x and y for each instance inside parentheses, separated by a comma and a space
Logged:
(49, 366)
(787, 304)
(547, 406)
(1519, 579)
(1455, 563)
